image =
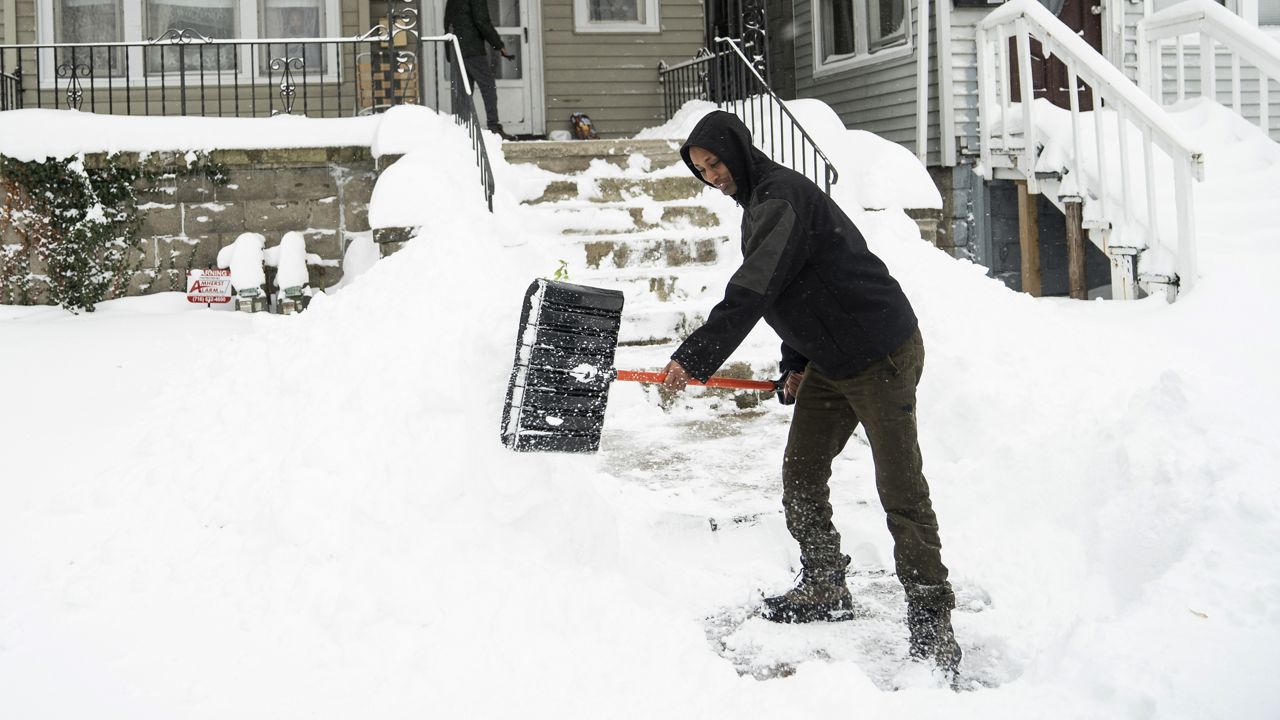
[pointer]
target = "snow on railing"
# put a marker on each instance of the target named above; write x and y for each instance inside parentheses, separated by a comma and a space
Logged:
(1208, 25)
(1025, 20)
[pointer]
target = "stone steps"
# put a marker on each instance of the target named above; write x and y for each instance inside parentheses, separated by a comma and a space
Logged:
(647, 231)
(621, 189)
(573, 156)
(588, 218)
(649, 252)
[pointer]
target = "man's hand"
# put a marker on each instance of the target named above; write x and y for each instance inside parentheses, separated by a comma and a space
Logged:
(791, 388)
(505, 54)
(674, 377)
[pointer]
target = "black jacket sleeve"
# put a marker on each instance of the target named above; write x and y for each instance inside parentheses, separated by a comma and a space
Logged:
(773, 254)
(481, 10)
(792, 360)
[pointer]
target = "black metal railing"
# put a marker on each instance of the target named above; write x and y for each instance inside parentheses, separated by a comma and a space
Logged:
(185, 73)
(10, 90)
(729, 79)
(464, 113)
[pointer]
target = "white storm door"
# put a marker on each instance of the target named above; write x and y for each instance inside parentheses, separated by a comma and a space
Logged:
(516, 79)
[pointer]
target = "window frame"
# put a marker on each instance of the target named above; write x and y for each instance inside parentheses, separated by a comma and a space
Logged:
(582, 22)
(863, 54)
(249, 21)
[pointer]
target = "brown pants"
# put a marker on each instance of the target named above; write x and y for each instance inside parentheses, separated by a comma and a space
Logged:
(883, 399)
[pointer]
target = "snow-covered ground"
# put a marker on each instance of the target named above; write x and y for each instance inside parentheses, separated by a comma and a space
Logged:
(210, 514)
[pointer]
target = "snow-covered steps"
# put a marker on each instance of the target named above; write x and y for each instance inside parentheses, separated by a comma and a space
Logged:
(576, 155)
(589, 218)
(649, 251)
(621, 189)
(627, 215)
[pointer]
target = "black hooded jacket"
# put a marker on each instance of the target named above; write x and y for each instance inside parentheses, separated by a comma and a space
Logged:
(469, 20)
(806, 270)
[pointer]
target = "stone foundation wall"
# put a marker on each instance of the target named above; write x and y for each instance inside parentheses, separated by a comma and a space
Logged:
(321, 192)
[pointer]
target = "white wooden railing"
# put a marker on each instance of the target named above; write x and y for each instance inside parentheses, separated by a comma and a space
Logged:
(1208, 25)
(1025, 20)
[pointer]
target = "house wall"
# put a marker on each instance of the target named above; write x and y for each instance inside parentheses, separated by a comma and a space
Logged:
(879, 97)
(613, 77)
(1250, 106)
(233, 97)
(23, 19)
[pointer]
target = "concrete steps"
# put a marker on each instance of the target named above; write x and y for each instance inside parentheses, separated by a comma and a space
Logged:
(646, 230)
(616, 190)
(574, 156)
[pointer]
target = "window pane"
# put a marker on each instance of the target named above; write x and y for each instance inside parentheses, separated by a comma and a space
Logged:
(210, 18)
(838, 28)
(505, 13)
(616, 10)
(294, 18)
(77, 21)
(504, 69)
(887, 27)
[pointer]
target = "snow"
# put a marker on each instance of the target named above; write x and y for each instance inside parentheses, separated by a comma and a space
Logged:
(880, 176)
(290, 260)
(245, 257)
(220, 514)
(35, 134)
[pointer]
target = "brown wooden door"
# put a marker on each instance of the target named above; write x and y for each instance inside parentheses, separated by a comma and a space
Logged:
(1049, 77)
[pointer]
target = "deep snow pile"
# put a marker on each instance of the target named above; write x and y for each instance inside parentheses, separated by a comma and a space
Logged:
(209, 514)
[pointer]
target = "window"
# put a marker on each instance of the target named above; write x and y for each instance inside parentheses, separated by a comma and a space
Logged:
(210, 18)
(886, 23)
(290, 19)
(619, 16)
(65, 21)
(849, 30)
(89, 21)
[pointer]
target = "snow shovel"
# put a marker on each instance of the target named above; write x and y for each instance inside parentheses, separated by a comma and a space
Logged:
(564, 365)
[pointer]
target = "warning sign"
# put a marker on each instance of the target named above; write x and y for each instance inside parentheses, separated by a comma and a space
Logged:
(208, 286)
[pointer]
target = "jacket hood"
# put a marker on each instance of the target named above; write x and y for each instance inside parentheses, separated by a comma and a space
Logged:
(727, 138)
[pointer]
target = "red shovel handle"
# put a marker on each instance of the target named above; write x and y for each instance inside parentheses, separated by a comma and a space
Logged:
(713, 381)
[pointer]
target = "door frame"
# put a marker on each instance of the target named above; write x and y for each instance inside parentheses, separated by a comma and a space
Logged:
(432, 16)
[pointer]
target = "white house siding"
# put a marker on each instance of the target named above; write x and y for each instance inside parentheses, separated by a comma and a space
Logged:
(1249, 88)
(878, 97)
(613, 77)
(964, 80)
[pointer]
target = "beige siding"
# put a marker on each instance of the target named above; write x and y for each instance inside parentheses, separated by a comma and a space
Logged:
(613, 78)
(26, 21)
(878, 97)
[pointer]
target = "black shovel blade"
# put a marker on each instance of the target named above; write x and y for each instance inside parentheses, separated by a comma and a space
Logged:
(563, 367)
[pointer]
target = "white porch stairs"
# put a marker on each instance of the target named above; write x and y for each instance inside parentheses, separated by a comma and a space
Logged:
(1132, 166)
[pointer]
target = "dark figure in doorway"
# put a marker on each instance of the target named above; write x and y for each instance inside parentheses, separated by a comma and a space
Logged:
(469, 21)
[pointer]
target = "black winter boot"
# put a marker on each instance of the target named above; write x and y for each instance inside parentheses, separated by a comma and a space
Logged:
(929, 621)
(820, 596)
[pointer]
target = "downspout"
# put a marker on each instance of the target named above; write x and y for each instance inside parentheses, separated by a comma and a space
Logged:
(922, 84)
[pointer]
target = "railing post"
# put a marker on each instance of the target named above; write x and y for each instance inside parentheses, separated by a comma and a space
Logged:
(985, 81)
(1027, 158)
(1208, 69)
(1185, 193)
(1182, 70)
